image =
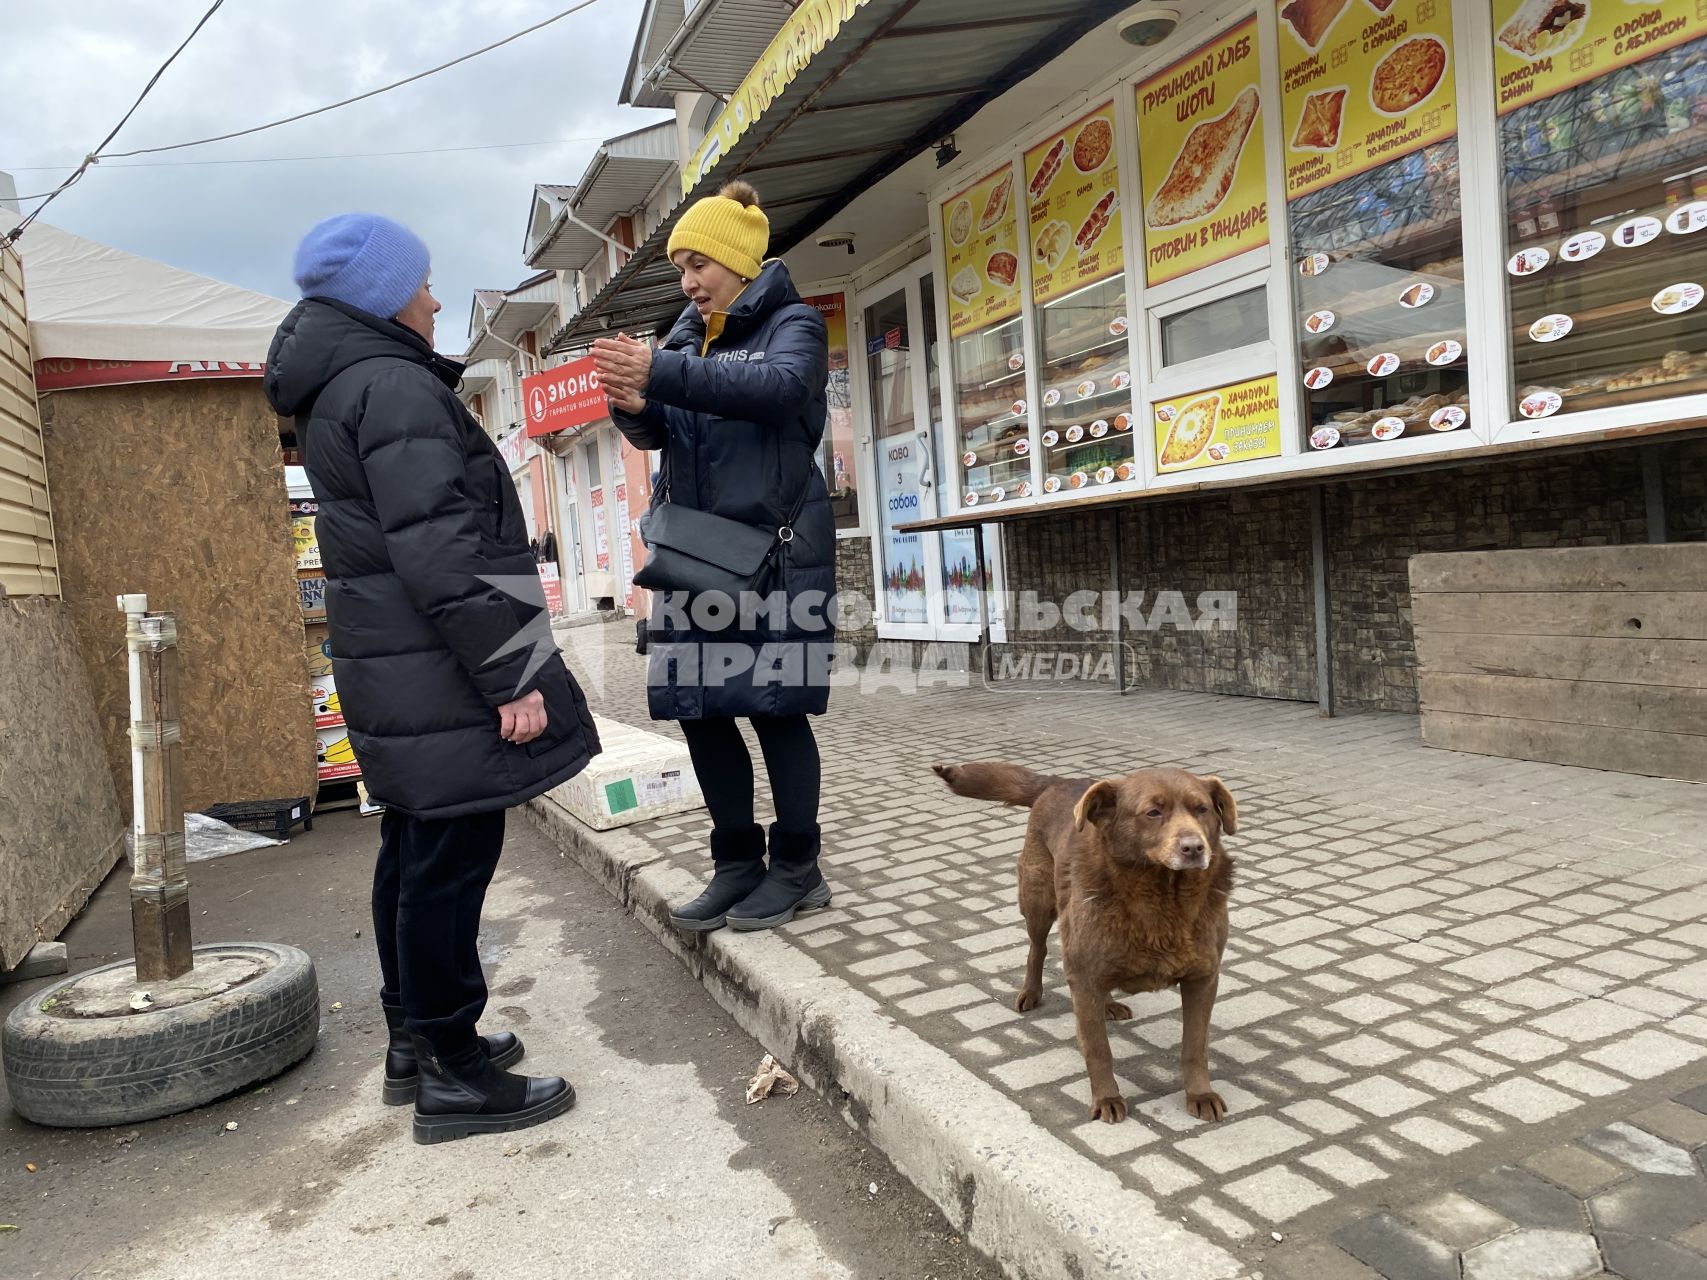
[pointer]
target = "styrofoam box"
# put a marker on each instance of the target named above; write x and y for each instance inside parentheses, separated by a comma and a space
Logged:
(638, 775)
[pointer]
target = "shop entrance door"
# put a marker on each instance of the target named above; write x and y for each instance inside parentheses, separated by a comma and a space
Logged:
(927, 583)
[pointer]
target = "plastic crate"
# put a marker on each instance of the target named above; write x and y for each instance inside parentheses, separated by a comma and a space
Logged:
(276, 818)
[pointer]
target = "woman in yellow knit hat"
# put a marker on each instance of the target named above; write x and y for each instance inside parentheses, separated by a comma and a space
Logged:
(735, 397)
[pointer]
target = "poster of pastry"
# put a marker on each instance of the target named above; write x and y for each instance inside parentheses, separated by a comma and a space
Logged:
(1072, 192)
(303, 541)
(1544, 46)
(980, 228)
(1226, 424)
(1360, 88)
(1201, 159)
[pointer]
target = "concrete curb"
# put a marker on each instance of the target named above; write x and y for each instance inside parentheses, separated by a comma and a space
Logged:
(1012, 1189)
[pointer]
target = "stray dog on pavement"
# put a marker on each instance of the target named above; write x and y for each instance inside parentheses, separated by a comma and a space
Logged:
(1135, 870)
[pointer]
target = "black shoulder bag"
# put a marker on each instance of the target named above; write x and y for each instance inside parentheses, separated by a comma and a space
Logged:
(696, 551)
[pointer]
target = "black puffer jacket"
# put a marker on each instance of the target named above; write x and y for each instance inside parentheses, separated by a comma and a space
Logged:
(740, 418)
(436, 614)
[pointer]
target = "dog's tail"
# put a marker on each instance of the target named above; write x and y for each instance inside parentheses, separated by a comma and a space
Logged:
(992, 780)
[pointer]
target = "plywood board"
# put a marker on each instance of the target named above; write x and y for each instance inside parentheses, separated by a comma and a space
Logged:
(1590, 702)
(177, 491)
(1667, 566)
(61, 829)
(1628, 615)
(1679, 663)
(1660, 755)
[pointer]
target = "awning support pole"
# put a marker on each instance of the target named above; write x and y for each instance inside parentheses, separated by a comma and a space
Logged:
(1114, 597)
(1319, 585)
(1654, 490)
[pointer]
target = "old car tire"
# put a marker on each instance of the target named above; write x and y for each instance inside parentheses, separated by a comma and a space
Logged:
(91, 1072)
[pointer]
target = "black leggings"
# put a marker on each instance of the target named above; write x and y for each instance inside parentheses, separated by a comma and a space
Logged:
(725, 769)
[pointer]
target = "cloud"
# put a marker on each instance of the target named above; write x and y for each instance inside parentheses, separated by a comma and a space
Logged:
(70, 71)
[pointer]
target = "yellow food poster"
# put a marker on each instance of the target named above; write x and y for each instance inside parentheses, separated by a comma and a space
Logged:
(1363, 82)
(1200, 155)
(1073, 191)
(980, 228)
(302, 539)
(1544, 46)
(1212, 428)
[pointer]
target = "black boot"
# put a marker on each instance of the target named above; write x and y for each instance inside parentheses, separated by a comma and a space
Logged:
(738, 859)
(504, 1048)
(462, 1094)
(792, 884)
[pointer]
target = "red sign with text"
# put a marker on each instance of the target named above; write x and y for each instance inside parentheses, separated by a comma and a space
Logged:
(567, 396)
(61, 373)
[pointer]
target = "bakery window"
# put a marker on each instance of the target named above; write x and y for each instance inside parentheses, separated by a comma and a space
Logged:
(980, 229)
(1215, 328)
(1374, 211)
(1603, 142)
(1078, 289)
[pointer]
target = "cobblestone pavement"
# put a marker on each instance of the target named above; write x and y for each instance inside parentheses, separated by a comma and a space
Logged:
(1462, 1028)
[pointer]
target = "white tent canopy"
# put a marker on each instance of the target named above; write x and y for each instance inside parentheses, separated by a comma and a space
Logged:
(89, 301)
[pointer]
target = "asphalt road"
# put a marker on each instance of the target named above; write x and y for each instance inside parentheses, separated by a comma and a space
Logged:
(661, 1170)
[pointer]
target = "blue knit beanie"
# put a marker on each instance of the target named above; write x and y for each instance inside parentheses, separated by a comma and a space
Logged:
(363, 260)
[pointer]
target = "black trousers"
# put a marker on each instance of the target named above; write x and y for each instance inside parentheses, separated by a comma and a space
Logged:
(428, 887)
(725, 769)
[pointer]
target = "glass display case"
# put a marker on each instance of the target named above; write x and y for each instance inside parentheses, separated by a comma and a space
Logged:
(1606, 192)
(1086, 388)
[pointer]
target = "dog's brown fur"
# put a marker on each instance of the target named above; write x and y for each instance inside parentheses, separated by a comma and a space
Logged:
(1135, 870)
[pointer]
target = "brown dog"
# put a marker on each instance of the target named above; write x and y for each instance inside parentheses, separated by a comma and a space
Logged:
(1135, 870)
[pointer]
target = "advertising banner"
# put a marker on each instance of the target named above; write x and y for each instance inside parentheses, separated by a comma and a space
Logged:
(1541, 48)
(1200, 153)
(980, 229)
(567, 396)
(1072, 186)
(1360, 88)
(1226, 424)
(302, 536)
(812, 25)
(60, 373)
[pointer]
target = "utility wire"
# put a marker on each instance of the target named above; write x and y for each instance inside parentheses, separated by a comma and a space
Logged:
(93, 156)
(339, 155)
(360, 97)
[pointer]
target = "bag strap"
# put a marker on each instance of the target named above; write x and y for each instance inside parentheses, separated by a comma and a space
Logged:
(785, 531)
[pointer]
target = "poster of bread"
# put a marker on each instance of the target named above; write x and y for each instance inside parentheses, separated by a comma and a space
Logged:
(1072, 194)
(1216, 427)
(1544, 46)
(1201, 159)
(1362, 84)
(980, 240)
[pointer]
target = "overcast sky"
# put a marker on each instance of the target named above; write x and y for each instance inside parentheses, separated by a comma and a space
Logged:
(68, 71)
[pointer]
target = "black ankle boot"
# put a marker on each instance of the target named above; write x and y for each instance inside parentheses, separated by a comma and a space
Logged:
(738, 859)
(792, 884)
(504, 1049)
(462, 1094)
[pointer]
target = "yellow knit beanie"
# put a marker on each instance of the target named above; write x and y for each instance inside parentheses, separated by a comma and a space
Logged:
(729, 228)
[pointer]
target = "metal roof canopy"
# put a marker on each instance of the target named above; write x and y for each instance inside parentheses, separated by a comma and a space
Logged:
(853, 115)
(623, 172)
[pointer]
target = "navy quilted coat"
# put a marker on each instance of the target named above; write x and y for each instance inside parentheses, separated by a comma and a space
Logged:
(432, 596)
(740, 418)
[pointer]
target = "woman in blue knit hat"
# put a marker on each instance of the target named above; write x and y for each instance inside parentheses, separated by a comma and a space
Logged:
(458, 704)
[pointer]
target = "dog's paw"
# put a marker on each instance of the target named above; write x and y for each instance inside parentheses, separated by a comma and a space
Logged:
(1119, 1012)
(1025, 1001)
(1109, 1110)
(1205, 1106)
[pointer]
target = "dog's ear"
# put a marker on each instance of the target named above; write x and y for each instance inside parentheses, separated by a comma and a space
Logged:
(1096, 805)
(1224, 805)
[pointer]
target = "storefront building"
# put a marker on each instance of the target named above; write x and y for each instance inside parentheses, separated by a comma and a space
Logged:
(1266, 306)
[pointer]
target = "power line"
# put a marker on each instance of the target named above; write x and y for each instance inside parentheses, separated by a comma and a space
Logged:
(340, 155)
(90, 159)
(360, 97)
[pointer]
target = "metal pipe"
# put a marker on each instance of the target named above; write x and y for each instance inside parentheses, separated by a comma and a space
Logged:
(159, 881)
(1119, 616)
(1319, 585)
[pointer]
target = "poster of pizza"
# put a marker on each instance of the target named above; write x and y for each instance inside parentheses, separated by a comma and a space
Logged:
(1544, 46)
(1222, 425)
(1073, 193)
(1200, 156)
(980, 228)
(1362, 84)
